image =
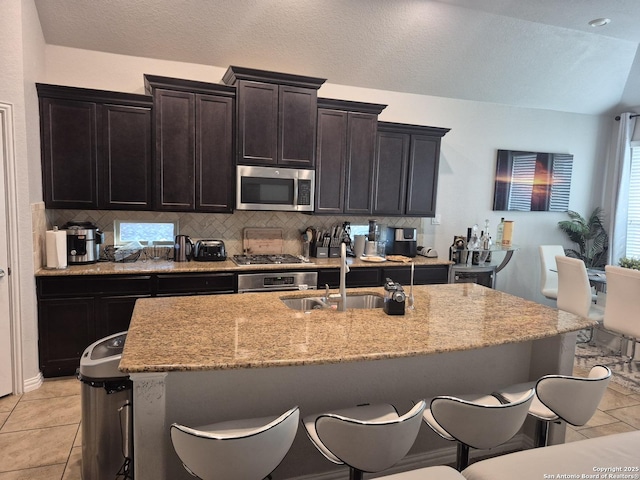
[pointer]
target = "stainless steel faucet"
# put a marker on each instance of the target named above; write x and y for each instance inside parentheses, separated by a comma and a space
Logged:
(341, 298)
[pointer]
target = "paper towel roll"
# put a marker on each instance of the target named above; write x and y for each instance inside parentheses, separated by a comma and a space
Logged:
(56, 247)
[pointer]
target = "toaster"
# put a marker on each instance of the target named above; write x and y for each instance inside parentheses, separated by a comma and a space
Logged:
(209, 251)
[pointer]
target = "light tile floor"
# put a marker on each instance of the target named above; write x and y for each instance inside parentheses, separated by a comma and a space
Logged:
(40, 431)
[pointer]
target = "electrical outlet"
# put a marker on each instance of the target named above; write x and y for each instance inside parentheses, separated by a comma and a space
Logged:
(437, 219)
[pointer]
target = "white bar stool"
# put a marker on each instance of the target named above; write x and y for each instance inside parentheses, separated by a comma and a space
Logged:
(247, 449)
(478, 421)
(562, 397)
(367, 438)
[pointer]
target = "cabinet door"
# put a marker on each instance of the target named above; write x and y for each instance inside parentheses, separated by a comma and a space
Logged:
(65, 328)
(331, 158)
(125, 178)
(390, 173)
(214, 154)
(69, 153)
(423, 176)
(297, 127)
(359, 168)
(175, 145)
(114, 314)
(257, 123)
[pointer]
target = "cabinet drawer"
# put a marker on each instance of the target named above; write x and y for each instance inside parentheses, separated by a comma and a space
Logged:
(93, 285)
(197, 283)
(421, 275)
(357, 277)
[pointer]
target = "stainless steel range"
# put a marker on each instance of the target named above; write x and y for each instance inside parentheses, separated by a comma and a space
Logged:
(275, 281)
(270, 259)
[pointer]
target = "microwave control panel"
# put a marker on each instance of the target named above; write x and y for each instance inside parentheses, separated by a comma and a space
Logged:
(304, 192)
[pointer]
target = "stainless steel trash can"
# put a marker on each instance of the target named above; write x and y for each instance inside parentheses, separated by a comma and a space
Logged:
(106, 398)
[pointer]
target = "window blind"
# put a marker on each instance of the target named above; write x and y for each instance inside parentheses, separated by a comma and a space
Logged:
(561, 182)
(523, 172)
(633, 219)
(523, 179)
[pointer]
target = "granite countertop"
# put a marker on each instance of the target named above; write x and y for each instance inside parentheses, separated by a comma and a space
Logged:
(168, 266)
(257, 330)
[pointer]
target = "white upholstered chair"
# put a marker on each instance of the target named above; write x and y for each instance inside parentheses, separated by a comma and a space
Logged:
(574, 290)
(622, 315)
(476, 421)
(367, 438)
(562, 397)
(248, 449)
(548, 270)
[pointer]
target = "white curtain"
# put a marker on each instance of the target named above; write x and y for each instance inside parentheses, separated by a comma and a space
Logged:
(616, 189)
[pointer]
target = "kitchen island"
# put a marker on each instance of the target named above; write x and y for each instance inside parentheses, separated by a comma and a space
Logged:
(203, 359)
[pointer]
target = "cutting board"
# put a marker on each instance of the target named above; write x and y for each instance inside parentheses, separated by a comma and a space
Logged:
(263, 241)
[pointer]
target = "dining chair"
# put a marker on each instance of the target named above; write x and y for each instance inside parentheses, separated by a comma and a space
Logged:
(623, 306)
(367, 438)
(561, 397)
(548, 270)
(477, 421)
(574, 291)
(246, 449)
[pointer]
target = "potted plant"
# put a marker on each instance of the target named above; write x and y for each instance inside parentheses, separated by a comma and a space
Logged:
(590, 236)
(627, 262)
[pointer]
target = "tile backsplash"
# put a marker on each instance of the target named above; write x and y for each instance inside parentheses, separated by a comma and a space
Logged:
(226, 227)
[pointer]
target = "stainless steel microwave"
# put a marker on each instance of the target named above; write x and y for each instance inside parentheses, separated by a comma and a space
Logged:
(274, 188)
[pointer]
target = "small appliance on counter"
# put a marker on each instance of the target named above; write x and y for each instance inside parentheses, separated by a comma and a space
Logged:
(182, 249)
(83, 242)
(402, 241)
(394, 298)
(209, 251)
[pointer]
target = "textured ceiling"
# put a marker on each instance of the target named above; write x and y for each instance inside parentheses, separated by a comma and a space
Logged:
(530, 53)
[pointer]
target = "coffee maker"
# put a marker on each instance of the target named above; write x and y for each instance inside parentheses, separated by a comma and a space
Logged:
(402, 241)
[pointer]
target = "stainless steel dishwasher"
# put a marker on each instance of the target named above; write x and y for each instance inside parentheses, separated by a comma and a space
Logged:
(106, 398)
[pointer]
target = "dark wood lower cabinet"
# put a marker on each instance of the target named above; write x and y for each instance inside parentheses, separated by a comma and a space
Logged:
(113, 314)
(375, 277)
(357, 277)
(422, 275)
(76, 310)
(64, 331)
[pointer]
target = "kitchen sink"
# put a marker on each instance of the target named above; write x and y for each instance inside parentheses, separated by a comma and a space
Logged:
(359, 301)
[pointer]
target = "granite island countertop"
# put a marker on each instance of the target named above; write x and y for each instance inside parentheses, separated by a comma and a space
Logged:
(169, 266)
(253, 330)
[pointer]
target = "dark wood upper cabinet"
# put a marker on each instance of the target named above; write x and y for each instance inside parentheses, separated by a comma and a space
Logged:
(390, 172)
(193, 130)
(345, 156)
(214, 153)
(406, 169)
(276, 117)
(126, 159)
(174, 130)
(257, 123)
(331, 159)
(96, 148)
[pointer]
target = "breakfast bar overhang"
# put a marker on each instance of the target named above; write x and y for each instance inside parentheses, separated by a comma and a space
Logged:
(203, 359)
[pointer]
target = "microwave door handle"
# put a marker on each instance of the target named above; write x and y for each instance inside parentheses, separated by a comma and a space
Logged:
(295, 192)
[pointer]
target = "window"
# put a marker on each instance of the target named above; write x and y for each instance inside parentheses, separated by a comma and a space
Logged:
(633, 219)
(147, 233)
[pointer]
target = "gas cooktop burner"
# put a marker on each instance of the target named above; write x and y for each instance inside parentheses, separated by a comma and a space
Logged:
(266, 259)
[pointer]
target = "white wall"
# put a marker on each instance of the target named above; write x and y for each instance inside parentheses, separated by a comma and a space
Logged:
(465, 190)
(22, 53)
